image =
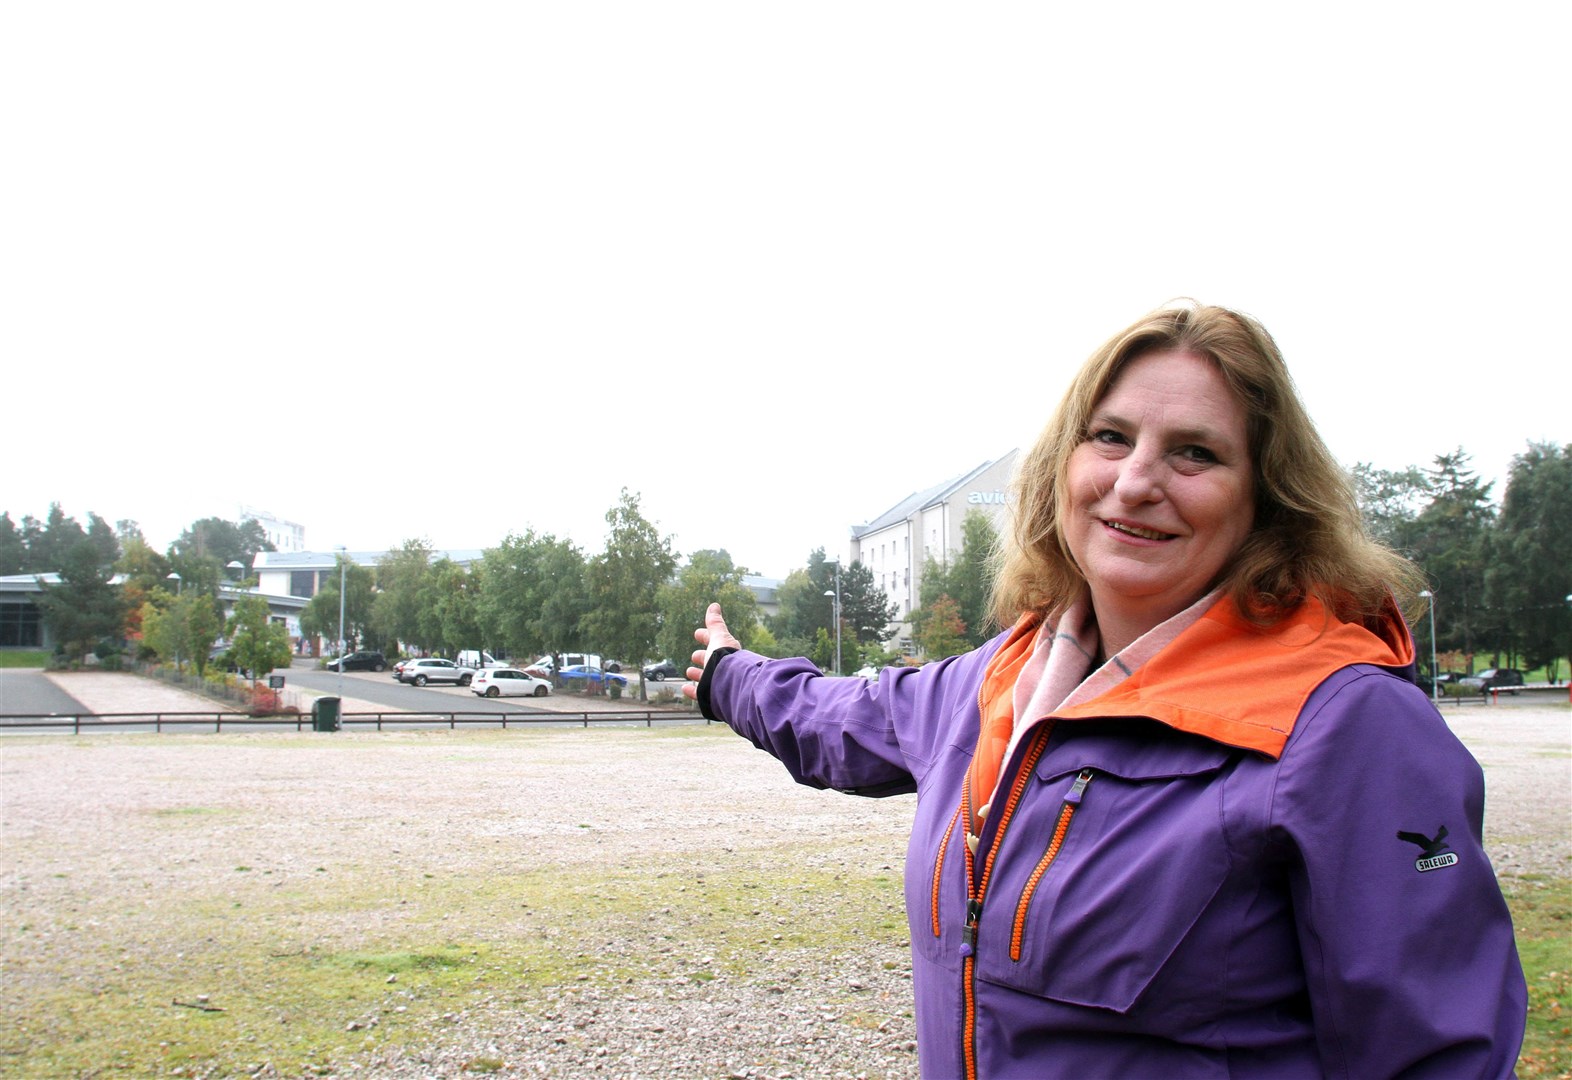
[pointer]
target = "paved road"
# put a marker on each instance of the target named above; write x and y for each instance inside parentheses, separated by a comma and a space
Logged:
(382, 689)
(23, 690)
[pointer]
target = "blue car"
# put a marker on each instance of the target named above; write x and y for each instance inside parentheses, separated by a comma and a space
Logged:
(588, 673)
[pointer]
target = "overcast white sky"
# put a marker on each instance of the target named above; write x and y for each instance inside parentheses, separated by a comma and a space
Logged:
(456, 270)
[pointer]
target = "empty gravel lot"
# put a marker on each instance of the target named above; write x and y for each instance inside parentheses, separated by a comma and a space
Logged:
(561, 902)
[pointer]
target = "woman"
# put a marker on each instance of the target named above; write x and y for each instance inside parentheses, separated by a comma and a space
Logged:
(1190, 816)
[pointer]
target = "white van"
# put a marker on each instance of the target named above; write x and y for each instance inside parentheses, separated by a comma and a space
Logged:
(477, 659)
(573, 659)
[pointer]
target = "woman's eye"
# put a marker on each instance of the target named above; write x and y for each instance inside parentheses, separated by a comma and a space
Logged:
(1198, 455)
(1108, 436)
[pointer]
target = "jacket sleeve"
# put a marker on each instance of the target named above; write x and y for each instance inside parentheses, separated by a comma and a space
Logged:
(1407, 942)
(863, 736)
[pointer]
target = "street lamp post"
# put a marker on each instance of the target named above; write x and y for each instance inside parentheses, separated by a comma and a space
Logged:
(1435, 690)
(836, 611)
(343, 568)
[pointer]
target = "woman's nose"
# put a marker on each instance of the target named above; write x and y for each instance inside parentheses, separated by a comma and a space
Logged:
(1139, 480)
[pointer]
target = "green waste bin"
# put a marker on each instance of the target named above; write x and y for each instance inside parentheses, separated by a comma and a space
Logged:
(616, 690)
(324, 714)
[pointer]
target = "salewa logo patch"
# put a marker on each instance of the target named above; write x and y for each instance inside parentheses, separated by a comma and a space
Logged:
(1435, 853)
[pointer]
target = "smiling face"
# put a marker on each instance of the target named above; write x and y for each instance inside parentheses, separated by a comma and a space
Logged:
(1159, 496)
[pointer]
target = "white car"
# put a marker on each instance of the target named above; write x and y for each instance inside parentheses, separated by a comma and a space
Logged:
(508, 682)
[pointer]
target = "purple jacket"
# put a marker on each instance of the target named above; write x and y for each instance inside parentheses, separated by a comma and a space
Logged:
(1206, 911)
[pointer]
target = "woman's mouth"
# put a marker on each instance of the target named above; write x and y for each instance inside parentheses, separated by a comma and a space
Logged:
(1136, 530)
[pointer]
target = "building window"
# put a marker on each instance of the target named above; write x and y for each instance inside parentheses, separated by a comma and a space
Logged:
(302, 582)
(20, 626)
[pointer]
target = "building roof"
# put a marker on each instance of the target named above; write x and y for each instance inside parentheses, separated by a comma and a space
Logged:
(765, 590)
(920, 500)
(326, 560)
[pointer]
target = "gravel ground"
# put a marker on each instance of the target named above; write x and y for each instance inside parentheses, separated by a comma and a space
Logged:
(83, 818)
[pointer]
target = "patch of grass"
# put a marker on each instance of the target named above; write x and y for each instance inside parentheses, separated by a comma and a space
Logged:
(299, 983)
(1542, 916)
(23, 658)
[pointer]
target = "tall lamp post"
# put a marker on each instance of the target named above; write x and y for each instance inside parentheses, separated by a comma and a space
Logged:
(836, 610)
(343, 568)
(1435, 690)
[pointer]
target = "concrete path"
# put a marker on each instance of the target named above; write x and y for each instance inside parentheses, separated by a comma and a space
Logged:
(29, 690)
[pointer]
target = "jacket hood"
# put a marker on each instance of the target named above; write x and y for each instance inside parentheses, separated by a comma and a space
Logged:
(1243, 684)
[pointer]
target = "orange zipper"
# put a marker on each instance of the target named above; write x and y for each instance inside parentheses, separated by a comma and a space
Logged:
(1062, 826)
(938, 866)
(976, 894)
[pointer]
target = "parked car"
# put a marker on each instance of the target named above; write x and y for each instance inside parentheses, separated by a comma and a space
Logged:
(477, 659)
(508, 682)
(590, 673)
(359, 661)
(398, 668)
(1508, 679)
(431, 669)
(663, 670)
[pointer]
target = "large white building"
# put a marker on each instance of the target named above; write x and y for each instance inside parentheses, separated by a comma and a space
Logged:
(927, 524)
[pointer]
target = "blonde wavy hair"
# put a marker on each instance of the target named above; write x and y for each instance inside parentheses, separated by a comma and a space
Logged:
(1308, 538)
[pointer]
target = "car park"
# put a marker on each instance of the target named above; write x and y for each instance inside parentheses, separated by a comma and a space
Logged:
(434, 669)
(363, 660)
(588, 673)
(663, 670)
(508, 682)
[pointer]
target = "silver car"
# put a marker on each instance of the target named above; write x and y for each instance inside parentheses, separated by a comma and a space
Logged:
(434, 669)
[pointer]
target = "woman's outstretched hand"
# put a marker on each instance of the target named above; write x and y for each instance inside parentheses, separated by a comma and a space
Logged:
(711, 636)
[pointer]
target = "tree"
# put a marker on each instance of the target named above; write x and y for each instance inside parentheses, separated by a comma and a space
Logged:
(143, 573)
(180, 628)
(624, 584)
(203, 551)
(532, 594)
(1451, 545)
(257, 644)
(866, 612)
(807, 605)
(1390, 502)
(565, 603)
(320, 616)
(709, 576)
(1531, 575)
(85, 608)
(13, 552)
(801, 610)
(402, 577)
(453, 607)
(939, 629)
(967, 583)
(971, 578)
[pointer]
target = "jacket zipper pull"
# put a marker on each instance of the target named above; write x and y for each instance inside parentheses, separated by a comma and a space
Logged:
(1074, 798)
(969, 931)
